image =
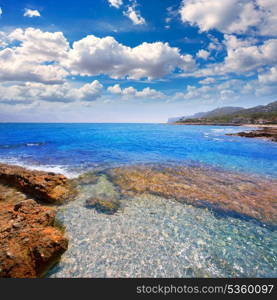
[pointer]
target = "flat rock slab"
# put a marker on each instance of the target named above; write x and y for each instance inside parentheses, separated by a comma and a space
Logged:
(207, 187)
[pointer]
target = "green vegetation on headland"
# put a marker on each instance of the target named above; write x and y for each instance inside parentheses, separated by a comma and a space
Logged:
(263, 114)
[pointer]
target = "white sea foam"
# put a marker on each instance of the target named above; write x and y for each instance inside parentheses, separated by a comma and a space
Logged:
(224, 130)
(219, 130)
(217, 139)
(33, 144)
(58, 169)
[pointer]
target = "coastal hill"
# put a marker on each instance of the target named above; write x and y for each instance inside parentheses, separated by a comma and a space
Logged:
(262, 114)
(213, 113)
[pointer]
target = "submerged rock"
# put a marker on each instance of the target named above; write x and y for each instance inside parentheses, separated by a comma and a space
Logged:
(43, 186)
(29, 244)
(222, 191)
(105, 205)
(87, 178)
(99, 193)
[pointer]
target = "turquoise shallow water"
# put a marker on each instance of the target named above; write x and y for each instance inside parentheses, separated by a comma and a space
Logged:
(78, 147)
(154, 237)
(149, 236)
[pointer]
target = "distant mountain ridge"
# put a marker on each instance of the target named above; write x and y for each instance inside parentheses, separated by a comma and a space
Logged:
(262, 114)
(222, 111)
(211, 113)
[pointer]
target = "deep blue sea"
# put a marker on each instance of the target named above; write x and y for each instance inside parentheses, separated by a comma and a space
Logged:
(73, 148)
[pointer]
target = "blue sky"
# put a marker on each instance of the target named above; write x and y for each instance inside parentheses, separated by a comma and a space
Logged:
(134, 60)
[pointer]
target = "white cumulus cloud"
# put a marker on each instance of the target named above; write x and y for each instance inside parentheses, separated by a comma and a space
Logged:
(35, 58)
(203, 54)
(4, 39)
(134, 16)
(47, 57)
(94, 56)
(243, 56)
(31, 13)
(268, 22)
(229, 90)
(208, 80)
(231, 16)
(30, 91)
(131, 92)
(115, 3)
(269, 77)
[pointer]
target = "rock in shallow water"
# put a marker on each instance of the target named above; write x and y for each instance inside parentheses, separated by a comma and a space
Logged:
(222, 191)
(101, 195)
(105, 205)
(29, 244)
(268, 133)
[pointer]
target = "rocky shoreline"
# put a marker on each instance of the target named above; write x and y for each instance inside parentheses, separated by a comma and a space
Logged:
(30, 243)
(267, 133)
(46, 187)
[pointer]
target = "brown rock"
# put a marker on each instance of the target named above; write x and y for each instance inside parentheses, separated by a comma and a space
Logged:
(29, 244)
(43, 186)
(268, 133)
(104, 204)
(10, 195)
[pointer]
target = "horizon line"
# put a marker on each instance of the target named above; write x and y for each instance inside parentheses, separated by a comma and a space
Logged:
(23, 122)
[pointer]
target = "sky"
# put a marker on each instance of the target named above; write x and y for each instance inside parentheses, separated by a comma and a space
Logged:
(134, 60)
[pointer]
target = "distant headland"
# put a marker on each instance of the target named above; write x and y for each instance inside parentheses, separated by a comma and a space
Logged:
(264, 116)
(258, 115)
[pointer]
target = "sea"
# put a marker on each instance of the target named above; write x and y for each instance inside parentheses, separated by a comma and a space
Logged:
(150, 236)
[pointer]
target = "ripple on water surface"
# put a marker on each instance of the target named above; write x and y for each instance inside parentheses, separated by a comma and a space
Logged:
(155, 237)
